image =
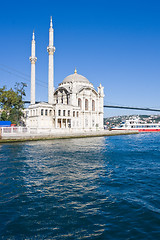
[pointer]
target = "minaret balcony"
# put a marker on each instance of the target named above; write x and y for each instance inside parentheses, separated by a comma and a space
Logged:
(51, 49)
(33, 59)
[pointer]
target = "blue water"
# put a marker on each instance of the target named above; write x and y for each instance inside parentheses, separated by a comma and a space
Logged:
(91, 188)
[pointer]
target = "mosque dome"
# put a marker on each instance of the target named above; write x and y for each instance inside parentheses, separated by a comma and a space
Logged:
(75, 78)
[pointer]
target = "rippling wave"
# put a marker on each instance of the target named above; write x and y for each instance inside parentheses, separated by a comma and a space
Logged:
(91, 188)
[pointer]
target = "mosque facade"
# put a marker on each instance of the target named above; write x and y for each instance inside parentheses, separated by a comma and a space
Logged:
(74, 106)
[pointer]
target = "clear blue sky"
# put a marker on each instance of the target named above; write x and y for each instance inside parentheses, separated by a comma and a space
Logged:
(115, 43)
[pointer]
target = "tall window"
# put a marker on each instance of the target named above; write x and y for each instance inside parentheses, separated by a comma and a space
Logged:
(93, 105)
(68, 113)
(64, 112)
(73, 113)
(86, 104)
(41, 112)
(59, 112)
(46, 112)
(79, 103)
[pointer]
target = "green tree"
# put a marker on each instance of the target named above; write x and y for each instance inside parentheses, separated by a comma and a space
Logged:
(12, 104)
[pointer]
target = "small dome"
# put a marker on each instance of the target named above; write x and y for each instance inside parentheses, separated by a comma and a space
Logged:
(75, 78)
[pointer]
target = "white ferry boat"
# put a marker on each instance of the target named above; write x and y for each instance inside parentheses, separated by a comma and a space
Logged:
(137, 124)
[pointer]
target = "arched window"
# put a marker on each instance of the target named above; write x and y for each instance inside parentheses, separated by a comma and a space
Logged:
(86, 104)
(79, 103)
(46, 112)
(93, 105)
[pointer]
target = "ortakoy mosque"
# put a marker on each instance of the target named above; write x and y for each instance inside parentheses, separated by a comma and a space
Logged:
(74, 106)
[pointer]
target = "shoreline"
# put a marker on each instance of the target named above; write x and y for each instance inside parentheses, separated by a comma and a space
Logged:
(104, 133)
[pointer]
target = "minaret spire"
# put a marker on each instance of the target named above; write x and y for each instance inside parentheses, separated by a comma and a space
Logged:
(51, 50)
(51, 24)
(33, 60)
(33, 37)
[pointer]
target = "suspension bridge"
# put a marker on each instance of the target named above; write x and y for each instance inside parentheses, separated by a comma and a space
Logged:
(27, 78)
(121, 107)
(133, 108)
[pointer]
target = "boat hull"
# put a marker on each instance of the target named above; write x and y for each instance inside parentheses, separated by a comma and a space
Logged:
(139, 130)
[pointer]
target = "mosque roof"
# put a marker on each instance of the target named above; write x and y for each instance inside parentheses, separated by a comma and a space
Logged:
(75, 78)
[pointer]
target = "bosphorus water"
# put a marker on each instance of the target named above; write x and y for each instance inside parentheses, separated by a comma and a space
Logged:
(87, 188)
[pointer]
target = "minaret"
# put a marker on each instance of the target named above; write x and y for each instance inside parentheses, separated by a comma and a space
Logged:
(100, 105)
(51, 50)
(33, 59)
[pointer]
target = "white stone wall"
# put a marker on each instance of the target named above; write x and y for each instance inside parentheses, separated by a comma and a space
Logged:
(66, 113)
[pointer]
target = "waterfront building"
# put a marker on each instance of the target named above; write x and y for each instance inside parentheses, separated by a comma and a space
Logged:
(74, 106)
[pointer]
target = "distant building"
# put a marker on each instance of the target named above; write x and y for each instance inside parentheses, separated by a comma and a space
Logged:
(74, 105)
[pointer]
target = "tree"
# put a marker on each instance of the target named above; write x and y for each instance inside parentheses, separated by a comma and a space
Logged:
(12, 104)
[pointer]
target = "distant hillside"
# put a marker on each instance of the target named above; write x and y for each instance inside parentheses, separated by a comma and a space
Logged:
(116, 120)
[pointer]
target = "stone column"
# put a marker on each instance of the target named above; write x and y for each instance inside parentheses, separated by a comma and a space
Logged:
(55, 122)
(90, 111)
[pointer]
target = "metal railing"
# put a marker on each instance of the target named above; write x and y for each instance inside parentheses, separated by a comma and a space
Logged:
(13, 130)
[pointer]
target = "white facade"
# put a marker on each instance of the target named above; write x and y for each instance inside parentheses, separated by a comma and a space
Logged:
(74, 105)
